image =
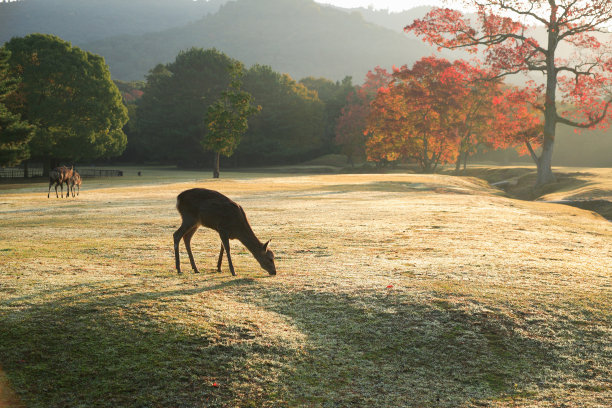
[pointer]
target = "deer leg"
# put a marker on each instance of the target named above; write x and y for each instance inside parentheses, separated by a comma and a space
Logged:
(56, 196)
(50, 183)
(220, 259)
(225, 242)
(187, 239)
(178, 234)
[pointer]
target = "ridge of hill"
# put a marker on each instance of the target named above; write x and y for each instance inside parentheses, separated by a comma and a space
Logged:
(81, 21)
(299, 37)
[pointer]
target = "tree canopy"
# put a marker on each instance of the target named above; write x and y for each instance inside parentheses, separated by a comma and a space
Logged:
(291, 124)
(176, 97)
(502, 28)
(68, 95)
(333, 95)
(14, 133)
(351, 124)
(227, 119)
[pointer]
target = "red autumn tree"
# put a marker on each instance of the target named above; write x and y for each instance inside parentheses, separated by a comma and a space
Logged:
(517, 121)
(503, 29)
(416, 116)
(352, 121)
(434, 113)
(475, 121)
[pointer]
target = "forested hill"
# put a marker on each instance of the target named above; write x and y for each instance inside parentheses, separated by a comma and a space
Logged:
(80, 21)
(299, 37)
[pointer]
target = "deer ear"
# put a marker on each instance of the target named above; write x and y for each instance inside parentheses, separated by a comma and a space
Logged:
(265, 247)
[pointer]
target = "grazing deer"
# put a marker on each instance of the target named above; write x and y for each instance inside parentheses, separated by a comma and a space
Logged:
(213, 210)
(59, 176)
(75, 180)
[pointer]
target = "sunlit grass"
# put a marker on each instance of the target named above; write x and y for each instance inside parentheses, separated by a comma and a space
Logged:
(392, 290)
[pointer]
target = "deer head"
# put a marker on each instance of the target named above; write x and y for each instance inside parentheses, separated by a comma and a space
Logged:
(266, 259)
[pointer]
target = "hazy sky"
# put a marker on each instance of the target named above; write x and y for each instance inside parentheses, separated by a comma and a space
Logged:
(392, 5)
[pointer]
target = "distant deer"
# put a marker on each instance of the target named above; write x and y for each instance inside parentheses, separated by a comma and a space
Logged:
(75, 180)
(59, 176)
(213, 210)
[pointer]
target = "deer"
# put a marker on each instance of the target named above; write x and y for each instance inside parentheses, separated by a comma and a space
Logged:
(75, 180)
(211, 209)
(59, 176)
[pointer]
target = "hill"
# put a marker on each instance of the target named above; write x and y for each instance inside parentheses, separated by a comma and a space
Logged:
(80, 21)
(299, 37)
(395, 21)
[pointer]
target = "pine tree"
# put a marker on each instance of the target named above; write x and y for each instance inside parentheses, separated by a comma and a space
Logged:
(14, 133)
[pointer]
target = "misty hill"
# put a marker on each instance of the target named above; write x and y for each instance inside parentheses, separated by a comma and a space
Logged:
(80, 21)
(395, 21)
(299, 37)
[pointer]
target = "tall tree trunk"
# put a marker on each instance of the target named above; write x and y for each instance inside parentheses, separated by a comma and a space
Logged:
(458, 162)
(350, 160)
(216, 164)
(25, 169)
(545, 174)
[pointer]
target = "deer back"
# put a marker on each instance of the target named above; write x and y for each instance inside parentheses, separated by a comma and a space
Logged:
(213, 210)
(54, 175)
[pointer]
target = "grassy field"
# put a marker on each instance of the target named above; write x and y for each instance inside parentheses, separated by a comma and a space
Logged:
(395, 290)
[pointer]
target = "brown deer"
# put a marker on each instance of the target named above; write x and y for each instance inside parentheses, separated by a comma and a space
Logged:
(213, 210)
(59, 176)
(75, 180)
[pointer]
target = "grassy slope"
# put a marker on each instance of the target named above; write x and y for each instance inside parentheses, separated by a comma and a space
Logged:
(393, 290)
(587, 188)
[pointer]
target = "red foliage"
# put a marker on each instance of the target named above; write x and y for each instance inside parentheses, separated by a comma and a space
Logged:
(431, 113)
(502, 33)
(517, 121)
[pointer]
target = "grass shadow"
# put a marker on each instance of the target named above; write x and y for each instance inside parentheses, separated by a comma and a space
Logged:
(100, 348)
(386, 350)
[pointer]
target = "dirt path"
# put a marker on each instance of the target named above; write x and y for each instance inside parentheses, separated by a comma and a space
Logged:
(8, 397)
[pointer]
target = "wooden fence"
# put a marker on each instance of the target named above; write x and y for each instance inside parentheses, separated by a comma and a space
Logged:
(13, 172)
(19, 173)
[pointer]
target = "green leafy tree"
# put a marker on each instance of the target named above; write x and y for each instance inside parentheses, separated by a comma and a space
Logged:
(14, 133)
(176, 96)
(334, 96)
(68, 95)
(227, 119)
(291, 123)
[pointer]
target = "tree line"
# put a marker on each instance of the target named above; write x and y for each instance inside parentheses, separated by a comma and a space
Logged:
(171, 122)
(57, 103)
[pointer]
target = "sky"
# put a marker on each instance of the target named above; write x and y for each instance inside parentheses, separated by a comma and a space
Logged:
(391, 5)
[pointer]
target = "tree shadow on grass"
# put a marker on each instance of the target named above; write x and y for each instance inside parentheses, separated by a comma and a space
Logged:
(94, 350)
(368, 349)
(386, 351)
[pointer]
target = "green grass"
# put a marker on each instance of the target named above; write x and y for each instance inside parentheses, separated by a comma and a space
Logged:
(392, 290)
